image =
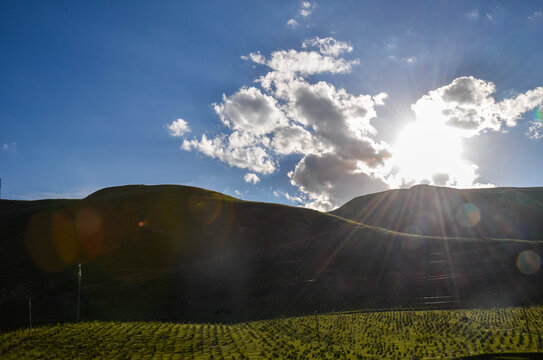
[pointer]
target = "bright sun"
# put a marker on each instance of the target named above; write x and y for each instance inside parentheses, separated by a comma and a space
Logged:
(423, 150)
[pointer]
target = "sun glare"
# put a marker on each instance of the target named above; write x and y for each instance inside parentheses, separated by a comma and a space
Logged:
(423, 151)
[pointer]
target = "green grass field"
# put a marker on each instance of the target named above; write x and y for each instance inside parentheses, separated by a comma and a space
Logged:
(373, 335)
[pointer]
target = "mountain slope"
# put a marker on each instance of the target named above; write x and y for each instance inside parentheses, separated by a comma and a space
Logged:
(515, 213)
(177, 252)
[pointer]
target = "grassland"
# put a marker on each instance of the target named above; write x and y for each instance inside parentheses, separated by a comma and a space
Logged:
(371, 335)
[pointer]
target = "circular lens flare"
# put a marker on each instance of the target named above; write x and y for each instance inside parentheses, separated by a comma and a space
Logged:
(64, 238)
(88, 223)
(528, 262)
(205, 209)
(468, 215)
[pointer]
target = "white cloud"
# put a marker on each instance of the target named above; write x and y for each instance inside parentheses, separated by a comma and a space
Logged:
(178, 128)
(407, 59)
(340, 121)
(308, 63)
(295, 139)
(380, 98)
(255, 57)
(536, 15)
(473, 14)
(10, 146)
(291, 62)
(535, 130)
(330, 180)
(227, 149)
(295, 199)
(298, 200)
(290, 65)
(292, 23)
(466, 106)
(304, 11)
(250, 110)
(328, 46)
(306, 8)
(496, 13)
(512, 109)
(251, 178)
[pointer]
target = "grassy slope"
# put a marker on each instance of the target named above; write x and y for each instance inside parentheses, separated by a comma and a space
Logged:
(174, 252)
(376, 335)
(515, 213)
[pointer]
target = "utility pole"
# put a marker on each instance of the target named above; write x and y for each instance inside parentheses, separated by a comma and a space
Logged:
(0, 188)
(78, 291)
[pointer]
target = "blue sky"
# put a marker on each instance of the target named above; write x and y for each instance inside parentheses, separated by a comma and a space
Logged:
(304, 103)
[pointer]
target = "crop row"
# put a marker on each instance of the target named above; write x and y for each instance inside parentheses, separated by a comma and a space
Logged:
(374, 335)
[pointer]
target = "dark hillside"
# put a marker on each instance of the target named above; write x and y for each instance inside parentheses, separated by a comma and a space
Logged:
(184, 253)
(514, 213)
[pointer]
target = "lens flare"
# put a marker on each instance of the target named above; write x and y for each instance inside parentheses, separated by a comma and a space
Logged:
(468, 215)
(538, 115)
(528, 262)
(64, 239)
(206, 210)
(88, 223)
(39, 242)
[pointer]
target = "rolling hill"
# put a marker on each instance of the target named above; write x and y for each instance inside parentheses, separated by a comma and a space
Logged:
(514, 213)
(182, 253)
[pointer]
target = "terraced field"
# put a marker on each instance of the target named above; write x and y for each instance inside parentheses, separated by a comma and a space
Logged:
(372, 335)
